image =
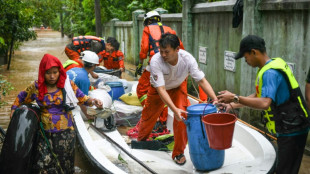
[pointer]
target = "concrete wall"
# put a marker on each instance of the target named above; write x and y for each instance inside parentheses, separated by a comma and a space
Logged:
(129, 33)
(213, 29)
(123, 32)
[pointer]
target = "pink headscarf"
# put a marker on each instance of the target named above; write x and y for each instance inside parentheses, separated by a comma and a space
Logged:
(48, 61)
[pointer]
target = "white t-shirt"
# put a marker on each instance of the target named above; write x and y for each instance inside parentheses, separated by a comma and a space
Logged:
(164, 74)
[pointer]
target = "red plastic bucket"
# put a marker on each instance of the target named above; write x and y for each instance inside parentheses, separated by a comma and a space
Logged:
(220, 129)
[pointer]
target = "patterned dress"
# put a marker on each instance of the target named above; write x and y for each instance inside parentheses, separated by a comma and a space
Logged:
(58, 129)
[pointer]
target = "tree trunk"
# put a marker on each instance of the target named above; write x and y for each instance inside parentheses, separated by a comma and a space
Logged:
(98, 18)
(11, 50)
(61, 24)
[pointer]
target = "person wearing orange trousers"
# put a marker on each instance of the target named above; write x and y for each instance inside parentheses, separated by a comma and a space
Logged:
(149, 46)
(153, 108)
(169, 70)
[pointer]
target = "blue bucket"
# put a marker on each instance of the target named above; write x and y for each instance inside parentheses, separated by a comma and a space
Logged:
(203, 157)
(117, 89)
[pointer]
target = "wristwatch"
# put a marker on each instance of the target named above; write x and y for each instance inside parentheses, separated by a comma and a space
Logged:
(236, 98)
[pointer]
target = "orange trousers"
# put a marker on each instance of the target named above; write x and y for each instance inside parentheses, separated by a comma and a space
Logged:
(202, 95)
(152, 109)
(142, 88)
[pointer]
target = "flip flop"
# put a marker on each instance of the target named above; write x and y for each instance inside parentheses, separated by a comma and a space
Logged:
(178, 158)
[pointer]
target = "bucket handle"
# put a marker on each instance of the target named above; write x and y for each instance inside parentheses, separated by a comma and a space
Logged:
(203, 113)
(201, 125)
(203, 132)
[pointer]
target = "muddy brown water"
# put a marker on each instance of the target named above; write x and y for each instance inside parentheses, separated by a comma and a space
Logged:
(24, 70)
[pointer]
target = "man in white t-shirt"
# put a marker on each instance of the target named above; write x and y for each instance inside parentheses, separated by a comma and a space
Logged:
(169, 70)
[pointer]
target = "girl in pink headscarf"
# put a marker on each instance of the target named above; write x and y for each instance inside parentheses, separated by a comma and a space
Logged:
(57, 121)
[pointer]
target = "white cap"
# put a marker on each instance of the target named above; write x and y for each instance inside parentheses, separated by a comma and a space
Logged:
(89, 56)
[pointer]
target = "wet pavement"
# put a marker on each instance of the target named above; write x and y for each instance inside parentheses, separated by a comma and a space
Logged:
(24, 70)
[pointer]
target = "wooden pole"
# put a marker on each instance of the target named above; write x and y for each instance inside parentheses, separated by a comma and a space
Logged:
(11, 50)
(263, 132)
(98, 18)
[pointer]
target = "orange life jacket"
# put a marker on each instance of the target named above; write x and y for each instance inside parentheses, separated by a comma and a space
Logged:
(83, 42)
(150, 39)
(71, 53)
(156, 30)
(114, 60)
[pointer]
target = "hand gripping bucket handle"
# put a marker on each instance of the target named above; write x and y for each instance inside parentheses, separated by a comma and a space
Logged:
(201, 124)
(220, 129)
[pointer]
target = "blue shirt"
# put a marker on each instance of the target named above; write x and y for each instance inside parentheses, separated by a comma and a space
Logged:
(80, 77)
(275, 86)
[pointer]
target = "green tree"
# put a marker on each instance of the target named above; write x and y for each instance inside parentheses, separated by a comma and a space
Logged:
(5, 87)
(79, 15)
(173, 6)
(16, 19)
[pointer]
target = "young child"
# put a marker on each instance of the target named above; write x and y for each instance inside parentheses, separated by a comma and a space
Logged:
(112, 57)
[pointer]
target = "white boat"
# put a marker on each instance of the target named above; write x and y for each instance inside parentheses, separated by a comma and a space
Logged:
(251, 152)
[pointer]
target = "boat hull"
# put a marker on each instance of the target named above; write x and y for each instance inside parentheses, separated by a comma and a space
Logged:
(251, 152)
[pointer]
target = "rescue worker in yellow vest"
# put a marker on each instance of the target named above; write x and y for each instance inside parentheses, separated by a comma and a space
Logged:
(79, 44)
(278, 93)
(307, 92)
(153, 30)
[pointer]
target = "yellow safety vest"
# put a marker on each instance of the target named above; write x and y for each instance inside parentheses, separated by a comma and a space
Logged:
(69, 62)
(282, 119)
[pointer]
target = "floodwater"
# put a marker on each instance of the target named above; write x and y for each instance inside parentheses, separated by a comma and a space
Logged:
(24, 70)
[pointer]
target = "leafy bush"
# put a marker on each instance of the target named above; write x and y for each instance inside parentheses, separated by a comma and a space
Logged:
(5, 87)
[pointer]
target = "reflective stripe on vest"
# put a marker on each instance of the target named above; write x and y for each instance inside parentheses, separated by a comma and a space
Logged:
(69, 62)
(278, 64)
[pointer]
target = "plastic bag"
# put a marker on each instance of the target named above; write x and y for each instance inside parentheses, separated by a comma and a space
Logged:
(126, 115)
(102, 95)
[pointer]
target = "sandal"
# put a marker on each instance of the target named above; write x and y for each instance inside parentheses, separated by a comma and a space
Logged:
(178, 159)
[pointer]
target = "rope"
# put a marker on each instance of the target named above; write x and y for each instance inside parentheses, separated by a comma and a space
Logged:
(34, 113)
(194, 86)
(45, 138)
(49, 146)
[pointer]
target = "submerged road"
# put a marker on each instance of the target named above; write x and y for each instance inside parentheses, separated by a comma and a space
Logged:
(24, 70)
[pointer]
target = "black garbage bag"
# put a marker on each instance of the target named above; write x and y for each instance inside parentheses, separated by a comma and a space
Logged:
(237, 13)
(20, 140)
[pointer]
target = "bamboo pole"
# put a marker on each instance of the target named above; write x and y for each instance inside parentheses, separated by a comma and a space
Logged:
(263, 132)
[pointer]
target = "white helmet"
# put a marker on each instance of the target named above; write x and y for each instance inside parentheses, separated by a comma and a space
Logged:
(151, 14)
(89, 56)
